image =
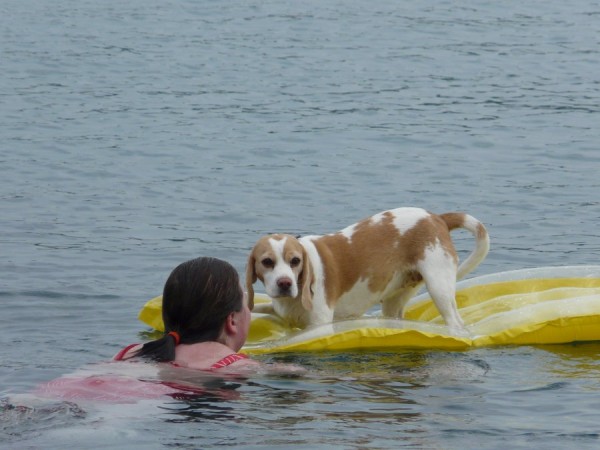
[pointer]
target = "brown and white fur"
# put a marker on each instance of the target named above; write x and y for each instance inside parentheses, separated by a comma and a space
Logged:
(385, 258)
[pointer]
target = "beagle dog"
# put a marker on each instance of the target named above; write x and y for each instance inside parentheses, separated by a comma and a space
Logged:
(384, 259)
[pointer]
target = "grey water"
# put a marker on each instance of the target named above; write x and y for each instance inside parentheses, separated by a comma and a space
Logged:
(136, 135)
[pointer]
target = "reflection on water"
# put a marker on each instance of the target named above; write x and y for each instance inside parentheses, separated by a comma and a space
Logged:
(345, 399)
(376, 400)
(578, 361)
(199, 408)
(18, 420)
(412, 368)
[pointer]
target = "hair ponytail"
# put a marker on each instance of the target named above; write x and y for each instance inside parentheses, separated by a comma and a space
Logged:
(160, 350)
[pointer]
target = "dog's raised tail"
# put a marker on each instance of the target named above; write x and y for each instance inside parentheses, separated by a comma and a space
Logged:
(482, 240)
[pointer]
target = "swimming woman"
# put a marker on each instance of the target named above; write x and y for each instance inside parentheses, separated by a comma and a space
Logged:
(207, 319)
(206, 316)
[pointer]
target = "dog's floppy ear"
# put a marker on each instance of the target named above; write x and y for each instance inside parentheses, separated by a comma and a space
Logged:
(250, 279)
(307, 278)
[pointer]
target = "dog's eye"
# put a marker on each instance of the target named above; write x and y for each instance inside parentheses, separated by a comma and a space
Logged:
(294, 261)
(268, 262)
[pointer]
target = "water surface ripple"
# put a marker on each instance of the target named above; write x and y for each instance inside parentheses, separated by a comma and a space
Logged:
(138, 134)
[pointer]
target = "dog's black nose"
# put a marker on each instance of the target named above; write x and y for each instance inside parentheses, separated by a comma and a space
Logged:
(284, 283)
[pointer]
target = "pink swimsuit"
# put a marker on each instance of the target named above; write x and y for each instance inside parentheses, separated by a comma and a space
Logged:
(118, 389)
(223, 362)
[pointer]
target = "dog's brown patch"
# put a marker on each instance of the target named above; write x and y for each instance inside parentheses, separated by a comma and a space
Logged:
(376, 252)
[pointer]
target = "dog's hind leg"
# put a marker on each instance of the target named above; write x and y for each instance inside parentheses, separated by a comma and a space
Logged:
(442, 289)
(438, 270)
(393, 305)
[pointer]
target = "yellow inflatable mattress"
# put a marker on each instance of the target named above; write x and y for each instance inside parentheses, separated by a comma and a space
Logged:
(547, 305)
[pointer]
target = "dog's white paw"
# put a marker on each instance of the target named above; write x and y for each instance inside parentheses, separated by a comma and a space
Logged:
(460, 332)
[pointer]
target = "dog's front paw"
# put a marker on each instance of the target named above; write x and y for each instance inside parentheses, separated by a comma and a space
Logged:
(263, 308)
(460, 332)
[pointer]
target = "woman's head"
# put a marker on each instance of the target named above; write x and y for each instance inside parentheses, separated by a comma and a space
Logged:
(197, 298)
(203, 301)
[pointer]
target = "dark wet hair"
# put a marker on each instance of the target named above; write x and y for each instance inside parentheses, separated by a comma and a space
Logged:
(197, 298)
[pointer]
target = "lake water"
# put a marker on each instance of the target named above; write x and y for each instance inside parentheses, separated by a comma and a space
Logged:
(136, 135)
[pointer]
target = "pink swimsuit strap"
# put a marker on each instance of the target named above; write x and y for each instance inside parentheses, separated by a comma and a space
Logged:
(223, 362)
(119, 356)
(229, 359)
